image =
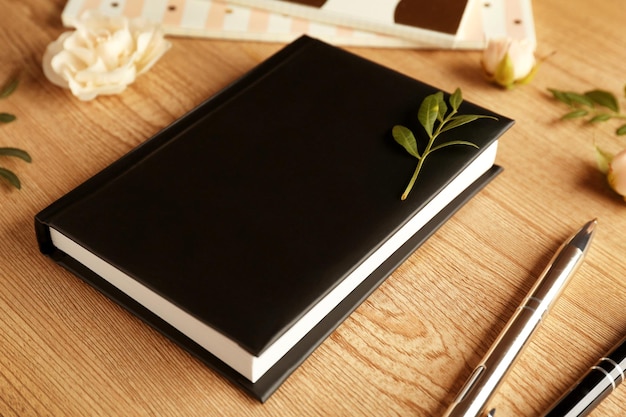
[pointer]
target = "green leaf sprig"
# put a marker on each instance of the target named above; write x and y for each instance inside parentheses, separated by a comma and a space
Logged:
(5, 92)
(6, 174)
(435, 118)
(595, 105)
(9, 175)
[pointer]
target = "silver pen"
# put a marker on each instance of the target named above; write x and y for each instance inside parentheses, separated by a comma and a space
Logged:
(481, 385)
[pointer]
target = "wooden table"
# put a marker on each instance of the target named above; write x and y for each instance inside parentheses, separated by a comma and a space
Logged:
(66, 350)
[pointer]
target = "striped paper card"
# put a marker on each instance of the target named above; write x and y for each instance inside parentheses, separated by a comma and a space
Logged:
(223, 20)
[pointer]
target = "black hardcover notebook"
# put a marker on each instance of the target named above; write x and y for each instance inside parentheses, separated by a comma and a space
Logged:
(250, 228)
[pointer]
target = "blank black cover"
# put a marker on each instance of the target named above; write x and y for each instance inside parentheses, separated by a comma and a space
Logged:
(249, 209)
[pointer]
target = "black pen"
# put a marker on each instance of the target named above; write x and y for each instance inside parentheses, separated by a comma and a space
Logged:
(487, 376)
(595, 386)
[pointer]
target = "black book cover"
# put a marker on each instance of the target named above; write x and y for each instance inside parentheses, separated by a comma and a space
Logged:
(252, 207)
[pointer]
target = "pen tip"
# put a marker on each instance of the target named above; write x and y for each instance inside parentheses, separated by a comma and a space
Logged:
(591, 225)
(583, 238)
(492, 413)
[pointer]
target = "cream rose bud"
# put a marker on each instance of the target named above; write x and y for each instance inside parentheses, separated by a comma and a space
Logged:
(508, 61)
(617, 173)
(103, 55)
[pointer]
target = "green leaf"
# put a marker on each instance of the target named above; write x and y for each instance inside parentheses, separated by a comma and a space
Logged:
(602, 117)
(604, 99)
(561, 96)
(462, 119)
(18, 153)
(579, 98)
(621, 130)
(442, 106)
(456, 99)
(9, 87)
(575, 114)
(405, 137)
(454, 142)
(6, 118)
(428, 112)
(10, 177)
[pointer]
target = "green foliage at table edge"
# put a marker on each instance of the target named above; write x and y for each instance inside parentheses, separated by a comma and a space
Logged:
(7, 89)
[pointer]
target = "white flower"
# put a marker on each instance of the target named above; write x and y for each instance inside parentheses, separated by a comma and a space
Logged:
(103, 55)
(617, 173)
(508, 61)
